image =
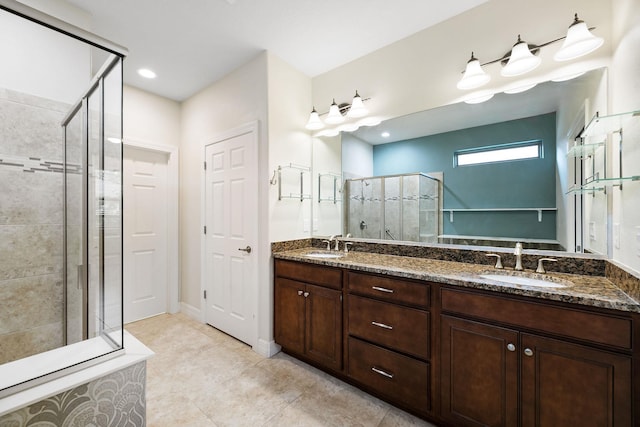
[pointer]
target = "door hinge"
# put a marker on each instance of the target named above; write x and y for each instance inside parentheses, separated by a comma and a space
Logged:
(205, 294)
(205, 165)
(205, 229)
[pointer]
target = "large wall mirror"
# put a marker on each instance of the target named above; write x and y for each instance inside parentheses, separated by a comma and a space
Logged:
(481, 197)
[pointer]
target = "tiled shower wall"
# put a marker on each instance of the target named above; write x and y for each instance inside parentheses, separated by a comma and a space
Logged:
(31, 225)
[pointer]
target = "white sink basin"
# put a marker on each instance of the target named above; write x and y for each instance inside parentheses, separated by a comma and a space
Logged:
(541, 282)
(325, 255)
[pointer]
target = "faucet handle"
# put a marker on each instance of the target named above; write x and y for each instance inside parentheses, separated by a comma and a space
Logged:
(540, 268)
(346, 247)
(328, 242)
(498, 260)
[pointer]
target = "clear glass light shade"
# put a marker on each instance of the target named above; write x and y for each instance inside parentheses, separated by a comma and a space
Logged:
(579, 42)
(334, 116)
(314, 122)
(357, 107)
(521, 61)
(474, 76)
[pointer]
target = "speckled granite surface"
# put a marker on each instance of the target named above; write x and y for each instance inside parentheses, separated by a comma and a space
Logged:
(567, 262)
(623, 279)
(595, 291)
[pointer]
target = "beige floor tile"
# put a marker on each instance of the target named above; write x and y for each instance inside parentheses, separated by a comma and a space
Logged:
(201, 377)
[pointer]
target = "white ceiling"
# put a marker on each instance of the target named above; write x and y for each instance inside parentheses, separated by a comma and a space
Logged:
(192, 43)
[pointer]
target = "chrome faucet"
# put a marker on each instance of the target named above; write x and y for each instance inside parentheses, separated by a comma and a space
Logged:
(328, 242)
(518, 253)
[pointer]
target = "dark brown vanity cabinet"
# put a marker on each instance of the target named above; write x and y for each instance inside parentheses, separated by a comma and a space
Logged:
(496, 375)
(308, 312)
(389, 333)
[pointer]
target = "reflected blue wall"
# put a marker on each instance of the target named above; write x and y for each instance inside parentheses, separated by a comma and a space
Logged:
(517, 184)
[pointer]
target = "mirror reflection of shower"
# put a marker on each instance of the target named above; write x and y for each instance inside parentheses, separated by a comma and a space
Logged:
(395, 207)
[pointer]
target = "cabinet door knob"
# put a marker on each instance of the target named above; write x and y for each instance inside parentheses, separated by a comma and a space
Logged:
(299, 292)
(382, 325)
(511, 347)
(528, 352)
(381, 372)
(306, 294)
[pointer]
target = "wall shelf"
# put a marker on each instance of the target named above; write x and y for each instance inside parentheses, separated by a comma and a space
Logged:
(598, 129)
(332, 182)
(300, 171)
(538, 210)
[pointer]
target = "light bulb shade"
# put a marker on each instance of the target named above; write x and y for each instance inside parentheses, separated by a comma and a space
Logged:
(334, 117)
(474, 76)
(314, 122)
(520, 89)
(479, 99)
(521, 61)
(579, 42)
(357, 108)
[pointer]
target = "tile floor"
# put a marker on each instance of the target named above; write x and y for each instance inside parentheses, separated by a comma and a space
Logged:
(201, 377)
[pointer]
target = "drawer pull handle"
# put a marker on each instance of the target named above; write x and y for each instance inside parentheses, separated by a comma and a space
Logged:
(378, 288)
(381, 372)
(382, 325)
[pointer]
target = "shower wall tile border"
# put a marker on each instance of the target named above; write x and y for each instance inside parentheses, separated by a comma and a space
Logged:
(36, 164)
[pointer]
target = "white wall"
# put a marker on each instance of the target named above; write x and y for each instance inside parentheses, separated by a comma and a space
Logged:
(625, 96)
(150, 118)
(327, 158)
(235, 100)
(289, 97)
(357, 157)
(55, 66)
(421, 71)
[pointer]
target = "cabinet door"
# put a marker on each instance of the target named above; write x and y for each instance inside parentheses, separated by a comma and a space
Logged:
(289, 310)
(572, 385)
(324, 326)
(479, 373)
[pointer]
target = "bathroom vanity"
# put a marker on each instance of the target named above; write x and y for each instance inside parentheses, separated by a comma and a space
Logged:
(439, 340)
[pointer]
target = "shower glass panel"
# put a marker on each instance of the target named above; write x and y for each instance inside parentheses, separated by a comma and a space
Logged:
(60, 198)
(397, 207)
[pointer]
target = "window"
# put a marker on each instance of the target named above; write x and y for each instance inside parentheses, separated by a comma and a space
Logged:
(498, 153)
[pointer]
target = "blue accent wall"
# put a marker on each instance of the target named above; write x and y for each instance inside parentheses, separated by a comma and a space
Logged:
(527, 183)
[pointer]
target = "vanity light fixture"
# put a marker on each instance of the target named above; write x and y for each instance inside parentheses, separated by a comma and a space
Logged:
(339, 113)
(578, 42)
(520, 89)
(474, 76)
(314, 122)
(522, 58)
(479, 99)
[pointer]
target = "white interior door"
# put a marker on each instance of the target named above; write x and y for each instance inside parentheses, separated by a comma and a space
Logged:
(231, 217)
(145, 233)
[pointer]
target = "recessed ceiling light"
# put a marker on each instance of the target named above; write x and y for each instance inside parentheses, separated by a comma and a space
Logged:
(147, 73)
(385, 134)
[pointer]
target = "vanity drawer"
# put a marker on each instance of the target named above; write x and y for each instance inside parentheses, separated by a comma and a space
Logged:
(399, 377)
(389, 289)
(400, 328)
(569, 322)
(309, 273)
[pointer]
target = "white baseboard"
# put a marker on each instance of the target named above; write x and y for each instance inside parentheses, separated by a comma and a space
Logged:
(191, 311)
(267, 348)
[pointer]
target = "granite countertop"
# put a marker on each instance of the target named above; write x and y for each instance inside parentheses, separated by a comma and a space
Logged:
(595, 291)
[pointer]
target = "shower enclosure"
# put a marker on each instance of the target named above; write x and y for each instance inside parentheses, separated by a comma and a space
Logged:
(395, 207)
(60, 198)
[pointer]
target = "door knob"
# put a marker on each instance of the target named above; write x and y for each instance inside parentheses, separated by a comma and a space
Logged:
(511, 347)
(300, 293)
(528, 352)
(247, 249)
